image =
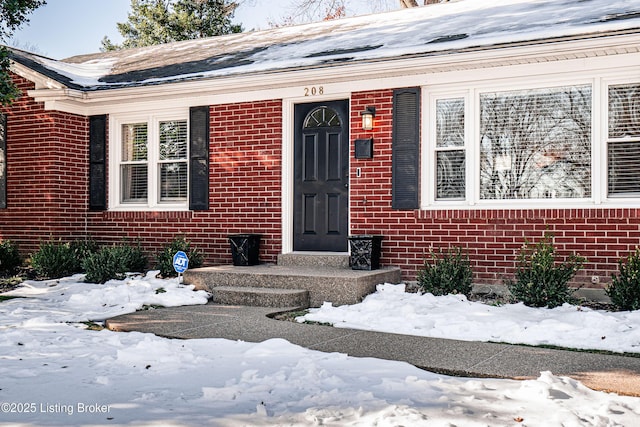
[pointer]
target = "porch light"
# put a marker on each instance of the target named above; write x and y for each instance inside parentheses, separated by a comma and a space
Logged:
(367, 118)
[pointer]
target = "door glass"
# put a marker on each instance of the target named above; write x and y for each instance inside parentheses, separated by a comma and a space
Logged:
(322, 117)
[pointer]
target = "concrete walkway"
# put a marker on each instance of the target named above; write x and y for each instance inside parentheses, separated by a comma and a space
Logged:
(612, 373)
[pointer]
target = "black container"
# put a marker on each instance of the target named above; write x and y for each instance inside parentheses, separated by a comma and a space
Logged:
(245, 249)
(365, 251)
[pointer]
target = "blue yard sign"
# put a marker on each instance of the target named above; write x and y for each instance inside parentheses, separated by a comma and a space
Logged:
(180, 262)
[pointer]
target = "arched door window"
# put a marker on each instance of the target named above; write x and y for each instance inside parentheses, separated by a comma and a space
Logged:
(322, 117)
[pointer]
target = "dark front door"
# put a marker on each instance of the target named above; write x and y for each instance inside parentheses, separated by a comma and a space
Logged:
(321, 180)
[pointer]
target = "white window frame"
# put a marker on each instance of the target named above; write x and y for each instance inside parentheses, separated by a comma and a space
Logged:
(606, 140)
(153, 119)
(471, 92)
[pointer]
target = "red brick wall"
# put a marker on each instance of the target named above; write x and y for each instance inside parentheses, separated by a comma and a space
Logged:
(47, 172)
(493, 238)
(245, 186)
(47, 155)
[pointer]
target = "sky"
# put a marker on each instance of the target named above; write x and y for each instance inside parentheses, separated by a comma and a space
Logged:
(55, 372)
(64, 28)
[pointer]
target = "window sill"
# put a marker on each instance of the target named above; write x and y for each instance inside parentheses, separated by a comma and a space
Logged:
(535, 204)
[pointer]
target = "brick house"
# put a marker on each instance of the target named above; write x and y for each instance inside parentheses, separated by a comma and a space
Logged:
(494, 122)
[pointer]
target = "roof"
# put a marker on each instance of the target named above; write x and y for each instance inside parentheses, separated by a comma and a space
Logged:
(431, 30)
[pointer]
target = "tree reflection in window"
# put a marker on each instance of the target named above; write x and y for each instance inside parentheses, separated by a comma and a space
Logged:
(536, 144)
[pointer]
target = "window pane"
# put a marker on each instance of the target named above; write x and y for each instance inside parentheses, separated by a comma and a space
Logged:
(624, 169)
(624, 156)
(134, 142)
(173, 140)
(624, 111)
(451, 174)
(134, 183)
(536, 144)
(173, 182)
(450, 122)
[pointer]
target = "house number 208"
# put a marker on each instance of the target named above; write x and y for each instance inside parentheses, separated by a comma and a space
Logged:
(313, 91)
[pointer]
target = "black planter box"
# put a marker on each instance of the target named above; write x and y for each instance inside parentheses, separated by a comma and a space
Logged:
(365, 251)
(245, 249)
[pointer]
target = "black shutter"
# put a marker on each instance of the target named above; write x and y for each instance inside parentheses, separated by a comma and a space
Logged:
(97, 163)
(199, 158)
(3, 161)
(406, 148)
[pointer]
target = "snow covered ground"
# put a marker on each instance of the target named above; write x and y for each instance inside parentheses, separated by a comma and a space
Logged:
(391, 309)
(53, 371)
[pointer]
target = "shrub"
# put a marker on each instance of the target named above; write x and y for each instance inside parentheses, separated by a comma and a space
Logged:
(113, 263)
(55, 259)
(82, 249)
(9, 256)
(624, 290)
(165, 257)
(60, 259)
(448, 272)
(541, 281)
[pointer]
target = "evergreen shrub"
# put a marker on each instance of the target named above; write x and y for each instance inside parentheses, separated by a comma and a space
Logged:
(9, 257)
(542, 281)
(114, 262)
(164, 259)
(446, 272)
(624, 290)
(55, 259)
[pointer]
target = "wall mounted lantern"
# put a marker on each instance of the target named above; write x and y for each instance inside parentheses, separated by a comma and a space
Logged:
(367, 118)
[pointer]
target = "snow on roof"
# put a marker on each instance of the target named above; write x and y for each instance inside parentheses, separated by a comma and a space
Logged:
(430, 30)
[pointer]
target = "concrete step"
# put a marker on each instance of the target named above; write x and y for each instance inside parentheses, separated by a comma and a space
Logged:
(314, 259)
(337, 285)
(260, 297)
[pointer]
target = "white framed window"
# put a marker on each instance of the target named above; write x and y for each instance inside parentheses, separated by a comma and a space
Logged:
(518, 145)
(149, 163)
(450, 148)
(623, 140)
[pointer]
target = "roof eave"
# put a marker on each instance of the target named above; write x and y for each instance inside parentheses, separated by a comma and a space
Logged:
(264, 84)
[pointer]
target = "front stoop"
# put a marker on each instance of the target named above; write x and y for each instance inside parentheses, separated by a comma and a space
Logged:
(260, 297)
(324, 283)
(314, 259)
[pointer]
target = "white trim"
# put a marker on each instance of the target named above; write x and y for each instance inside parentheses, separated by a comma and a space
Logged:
(152, 118)
(288, 135)
(598, 146)
(599, 81)
(287, 175)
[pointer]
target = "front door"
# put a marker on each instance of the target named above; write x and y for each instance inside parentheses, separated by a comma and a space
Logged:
(321, 176)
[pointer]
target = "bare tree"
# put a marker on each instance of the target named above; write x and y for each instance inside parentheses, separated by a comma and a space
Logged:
(414, 3)
(300, 11)
(408, 3)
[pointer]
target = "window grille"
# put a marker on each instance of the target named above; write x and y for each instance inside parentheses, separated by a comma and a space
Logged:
(322, 117)
(154, 166)
(173, 161)
(450, 153)
(134, 165)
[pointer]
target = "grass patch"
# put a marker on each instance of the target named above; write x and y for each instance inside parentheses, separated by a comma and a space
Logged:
(290, 316)
(151, 307)
(8, 297)
(92, 326)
